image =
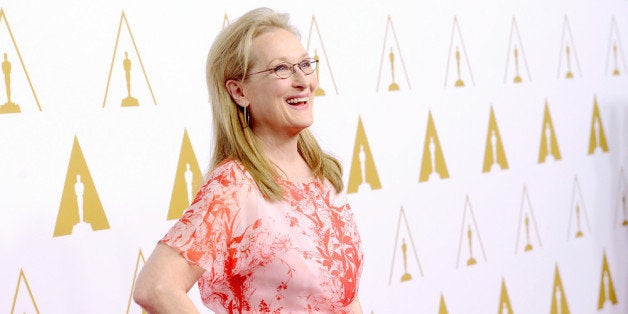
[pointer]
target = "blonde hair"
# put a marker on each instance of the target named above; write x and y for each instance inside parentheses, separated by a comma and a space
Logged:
(229, 58)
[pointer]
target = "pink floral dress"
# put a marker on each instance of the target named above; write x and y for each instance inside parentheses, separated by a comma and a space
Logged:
(300, 255)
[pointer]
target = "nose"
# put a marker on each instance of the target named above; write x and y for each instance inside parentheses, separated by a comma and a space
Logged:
(301, 80)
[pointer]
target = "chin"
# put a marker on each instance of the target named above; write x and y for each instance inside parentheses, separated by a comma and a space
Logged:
(302, 126)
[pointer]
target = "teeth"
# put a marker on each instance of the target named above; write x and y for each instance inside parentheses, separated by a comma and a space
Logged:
(296, 100)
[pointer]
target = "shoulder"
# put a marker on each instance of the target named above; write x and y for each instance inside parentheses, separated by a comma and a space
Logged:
(333, 197)
(225, 180)
(228, 169)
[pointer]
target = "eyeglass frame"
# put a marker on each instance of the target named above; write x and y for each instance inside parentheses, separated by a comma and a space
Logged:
(291, 65)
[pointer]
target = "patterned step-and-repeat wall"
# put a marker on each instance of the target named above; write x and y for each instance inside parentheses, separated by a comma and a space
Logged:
(485, 147)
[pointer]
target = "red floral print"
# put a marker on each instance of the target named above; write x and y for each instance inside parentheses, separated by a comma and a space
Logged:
(302, 254)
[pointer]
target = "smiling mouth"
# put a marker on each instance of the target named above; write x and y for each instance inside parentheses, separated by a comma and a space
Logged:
(297, 101)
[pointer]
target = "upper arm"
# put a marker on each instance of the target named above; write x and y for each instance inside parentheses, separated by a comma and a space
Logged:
(167, 268)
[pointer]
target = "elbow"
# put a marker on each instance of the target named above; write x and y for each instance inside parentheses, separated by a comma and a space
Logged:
(146, 294)
(142, 295)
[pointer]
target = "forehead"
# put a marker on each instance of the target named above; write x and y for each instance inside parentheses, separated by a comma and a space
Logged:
(276, 44)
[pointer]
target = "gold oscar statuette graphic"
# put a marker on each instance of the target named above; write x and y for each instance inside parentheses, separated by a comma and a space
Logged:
(548, 149)
(80, 209)
(559, 300)
(187, 181)
(470, 232)
(516, 51)
(568, 53)
(318, 91)
(577, 209)
(140, 261)
(494, 155)
(18, 307)
(616, 69)
(225, 21)
(597, 137)
(127, 65)
(314, 26)
(569, 74)
(442, 307)
(615, 55)
(433, 164)
(393, 85)
(388, 50)
(607, 289)
(458, 52)
(471, 260)
(363, 174)
(128, 101)
(504, 300)
(459, 81)
(527, 218)
(621, 210)
(404, 249)
(517, 78)
(406, 276)
(9, 106)
(579, 233)
(624, 210)
(528, 246)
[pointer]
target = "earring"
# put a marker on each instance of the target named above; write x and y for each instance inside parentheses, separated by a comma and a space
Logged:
(247, 117)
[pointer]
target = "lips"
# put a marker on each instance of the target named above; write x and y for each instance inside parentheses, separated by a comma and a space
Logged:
(297, 101)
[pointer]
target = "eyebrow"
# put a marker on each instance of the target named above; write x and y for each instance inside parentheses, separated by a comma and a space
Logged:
(285, 59)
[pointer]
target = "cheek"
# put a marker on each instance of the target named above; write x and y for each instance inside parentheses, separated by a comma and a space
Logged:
(313, 81)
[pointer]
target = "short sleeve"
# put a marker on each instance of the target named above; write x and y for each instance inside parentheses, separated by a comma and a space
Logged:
(202, 234)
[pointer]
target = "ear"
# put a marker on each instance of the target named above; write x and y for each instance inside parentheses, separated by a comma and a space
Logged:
(237, 93)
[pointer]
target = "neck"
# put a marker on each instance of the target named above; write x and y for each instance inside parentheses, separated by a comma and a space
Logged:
(280, 150)
(283, 153)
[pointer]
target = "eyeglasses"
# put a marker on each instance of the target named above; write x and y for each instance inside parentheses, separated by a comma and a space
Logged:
(285, 70)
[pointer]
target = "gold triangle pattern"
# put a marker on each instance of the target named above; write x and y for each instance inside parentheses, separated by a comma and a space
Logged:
(621, 214)
(80, 208)
(504, 300)
(579, 210)
(494, 154)
(225, 21)
(470, 232)
(519, 60)
(458, 52)
(22, 278)
(607, 289)
(433, 162)
(548, 148)
(319, 90)
(393, 86)
(597, 137)
(140, 258)
(10, 106)
(187, 181)
(528, 220)
(129, 100)
(406, 276)
(363, 174)
(568, 63)
(559, 303)
(615, 62)
(442, 307)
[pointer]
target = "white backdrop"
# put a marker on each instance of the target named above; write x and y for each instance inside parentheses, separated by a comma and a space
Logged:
(430, 194)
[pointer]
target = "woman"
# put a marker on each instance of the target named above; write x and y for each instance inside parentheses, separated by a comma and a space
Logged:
(269, 231)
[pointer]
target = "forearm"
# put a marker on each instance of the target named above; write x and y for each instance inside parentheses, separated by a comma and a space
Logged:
(355, 307)
(165, 301)
(163, 282)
